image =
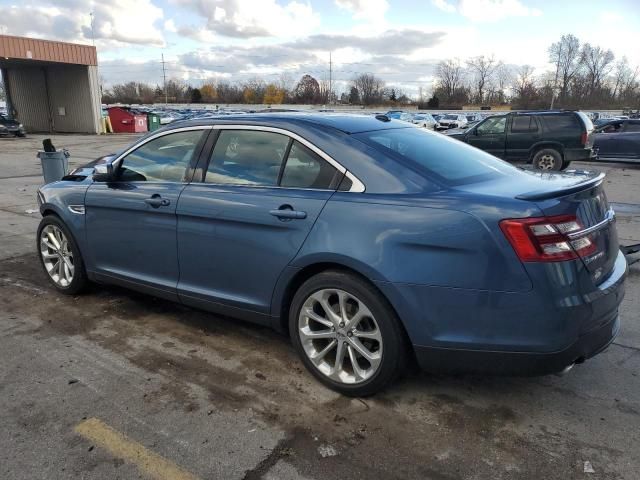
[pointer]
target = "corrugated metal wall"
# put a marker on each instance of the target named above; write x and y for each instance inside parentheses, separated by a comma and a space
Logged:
(71, 99)
(27, 86)
(56, 98)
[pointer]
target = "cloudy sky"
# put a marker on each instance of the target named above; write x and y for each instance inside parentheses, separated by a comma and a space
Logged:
(398, 40)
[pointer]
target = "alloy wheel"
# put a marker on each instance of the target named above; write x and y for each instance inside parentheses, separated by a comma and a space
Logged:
(340, 336)
(57, 255)
(546, 162)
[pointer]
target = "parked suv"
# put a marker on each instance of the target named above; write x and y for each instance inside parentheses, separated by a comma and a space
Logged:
(550, 140)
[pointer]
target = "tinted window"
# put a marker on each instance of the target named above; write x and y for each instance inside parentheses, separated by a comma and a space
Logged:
(492, 125)
(446, 159)
(633, 127)
(521, 124)
(305, 169)
(163, 159)
(247, 157)
(561, 122)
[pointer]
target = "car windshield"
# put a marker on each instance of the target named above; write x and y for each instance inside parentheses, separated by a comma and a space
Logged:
(450, 117)
(447, 160)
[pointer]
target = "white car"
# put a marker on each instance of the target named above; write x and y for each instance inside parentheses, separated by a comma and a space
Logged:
(425, 120)
(452, 120)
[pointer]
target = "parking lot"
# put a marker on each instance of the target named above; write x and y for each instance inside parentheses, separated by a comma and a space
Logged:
(115, 384)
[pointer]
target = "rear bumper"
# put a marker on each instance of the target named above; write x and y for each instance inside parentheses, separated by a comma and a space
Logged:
(535, 332)
(518, 363)
(579, 154)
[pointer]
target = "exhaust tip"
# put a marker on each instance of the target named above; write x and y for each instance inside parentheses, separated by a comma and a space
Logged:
(565, 370)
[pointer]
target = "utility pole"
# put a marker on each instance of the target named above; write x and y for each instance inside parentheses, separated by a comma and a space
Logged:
(93, 35)
(164, 80)
(330, 78)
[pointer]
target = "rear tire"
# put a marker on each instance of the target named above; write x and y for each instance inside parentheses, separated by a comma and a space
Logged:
(355, 359)
(60, 256)
(547, 159)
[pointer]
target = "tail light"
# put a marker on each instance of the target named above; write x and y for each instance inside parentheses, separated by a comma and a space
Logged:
(584, 137)
(545, 239)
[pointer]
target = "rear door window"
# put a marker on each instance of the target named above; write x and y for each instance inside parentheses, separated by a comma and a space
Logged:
(247, 157)
(633, 127)
(523, 124)
(306, 169)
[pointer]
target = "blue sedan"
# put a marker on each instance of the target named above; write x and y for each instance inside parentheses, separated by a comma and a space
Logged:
(371, 242)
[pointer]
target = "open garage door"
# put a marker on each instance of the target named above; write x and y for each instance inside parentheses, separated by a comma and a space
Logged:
(51, 86)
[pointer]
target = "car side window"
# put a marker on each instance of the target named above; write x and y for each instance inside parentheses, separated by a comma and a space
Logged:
(523, 124)
(492, 125)
(247, 157)
(632, 127)
(556, 122)
(305, 169)
(163, 159)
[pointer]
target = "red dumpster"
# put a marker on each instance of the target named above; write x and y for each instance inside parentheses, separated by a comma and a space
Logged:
(125, 120)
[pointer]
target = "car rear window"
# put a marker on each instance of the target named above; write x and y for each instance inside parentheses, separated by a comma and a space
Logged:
(447, 160)
(561, 122)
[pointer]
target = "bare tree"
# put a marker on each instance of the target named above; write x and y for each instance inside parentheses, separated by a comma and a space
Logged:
(524, 80)
(597, 63)
(370, 88)
(483, 70)
(449, 77)
(565, 55)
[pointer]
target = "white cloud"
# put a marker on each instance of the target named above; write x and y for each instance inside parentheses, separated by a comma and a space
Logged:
(249, 19)
(115, 23)
(487, 10)
(444, 5)
(170, 26)
(372, 11)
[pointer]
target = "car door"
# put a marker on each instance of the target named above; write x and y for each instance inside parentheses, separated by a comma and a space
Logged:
(523, 133)
(489, 136)
(607, 141)
(260, 194)
(629, 140)
(131, 221)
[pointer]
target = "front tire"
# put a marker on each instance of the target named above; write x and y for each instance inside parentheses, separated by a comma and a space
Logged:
(60, 256)
(347, 334)
(547, 159)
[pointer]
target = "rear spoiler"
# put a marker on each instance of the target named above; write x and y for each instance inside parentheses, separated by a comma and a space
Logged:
(588, 183)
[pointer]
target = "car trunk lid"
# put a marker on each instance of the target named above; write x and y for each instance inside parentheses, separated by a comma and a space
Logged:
(595, 238)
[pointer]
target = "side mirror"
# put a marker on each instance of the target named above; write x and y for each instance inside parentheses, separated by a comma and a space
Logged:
(103, 172)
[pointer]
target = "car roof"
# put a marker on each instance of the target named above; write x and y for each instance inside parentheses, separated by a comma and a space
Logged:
(345, 122)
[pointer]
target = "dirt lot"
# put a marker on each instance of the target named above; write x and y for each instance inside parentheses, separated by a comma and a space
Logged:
(113, 384)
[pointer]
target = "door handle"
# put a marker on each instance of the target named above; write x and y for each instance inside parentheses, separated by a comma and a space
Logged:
(157, 201)
(286, 212)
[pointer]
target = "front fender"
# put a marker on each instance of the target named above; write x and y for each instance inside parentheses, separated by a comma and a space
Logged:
(57, 197)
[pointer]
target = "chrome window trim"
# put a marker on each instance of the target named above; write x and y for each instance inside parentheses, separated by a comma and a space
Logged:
(609, 217)
(356, 185)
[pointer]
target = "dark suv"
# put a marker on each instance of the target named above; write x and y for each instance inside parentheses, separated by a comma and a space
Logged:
(550, 140)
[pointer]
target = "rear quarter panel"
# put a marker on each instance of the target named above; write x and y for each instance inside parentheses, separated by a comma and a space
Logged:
(427, 244)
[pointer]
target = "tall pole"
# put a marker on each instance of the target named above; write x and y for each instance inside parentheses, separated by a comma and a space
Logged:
(330, 78)
(93, 35)
(164, 81)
